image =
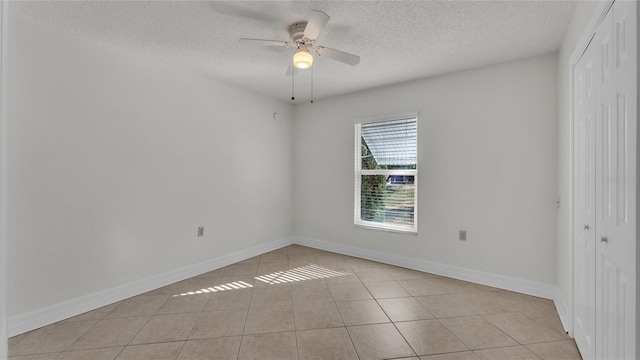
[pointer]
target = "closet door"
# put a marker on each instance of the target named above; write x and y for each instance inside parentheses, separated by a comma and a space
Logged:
(584, 198)
(616, 122)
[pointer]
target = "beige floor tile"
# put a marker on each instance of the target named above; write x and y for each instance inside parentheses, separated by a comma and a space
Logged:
(398, 273)
(229, 300)
(349, 291)
(301, 251)
(50, 356)
(272, 268)
(530, 327)
(487, 302)
(477, 333)
(506, 353)
(274, 257)
(386, 289)
(93, 354)
(380, 341)
(362, 264)
(404, 309)
(110, 333)
(161, 351)
(361, 312)
(252, 260)
(325, 344)
(367, 275)
(318, 292)
(184, 304)
(217, 273)
(242, 269)
(223, 348)
(269, 319)
(273, 346)
(310, 283)
(422, 287)
(443, 306)
(15, 340)
(271, 296)
(53, 338)
(558, 350)
(500, 301)
(301, 261)
(532, 303)
(348, 278)
(241, 281)
(428, 337)
(219, 323)
(97, 314)
(333, 263)
(464, 355)
(170, 289)
(297, 259)
(311, 291)
(274, 280)
(196, 285)
(324, 272)
(303, 274)
(316, 316)
(452, 286)
(138, 306)
(166, 328)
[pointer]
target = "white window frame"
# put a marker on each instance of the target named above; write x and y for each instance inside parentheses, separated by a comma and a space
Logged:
(357, 221)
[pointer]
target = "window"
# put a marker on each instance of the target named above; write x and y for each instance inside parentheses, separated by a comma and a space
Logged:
(386, 195)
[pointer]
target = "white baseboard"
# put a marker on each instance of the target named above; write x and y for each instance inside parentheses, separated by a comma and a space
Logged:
(41, 317)
(564, 311)
(44, 316)
(528, 287)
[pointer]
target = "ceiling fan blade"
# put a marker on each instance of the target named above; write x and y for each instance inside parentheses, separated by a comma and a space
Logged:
(315, 25)
(338, 55)
(267, 42)
(291, 71)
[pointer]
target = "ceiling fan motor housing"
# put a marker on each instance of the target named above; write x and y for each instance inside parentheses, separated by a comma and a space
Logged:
(297, 33)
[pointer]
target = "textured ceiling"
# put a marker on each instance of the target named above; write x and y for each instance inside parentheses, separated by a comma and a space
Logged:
(396, 40)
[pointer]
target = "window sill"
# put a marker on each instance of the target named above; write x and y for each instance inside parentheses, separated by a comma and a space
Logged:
(368, 226)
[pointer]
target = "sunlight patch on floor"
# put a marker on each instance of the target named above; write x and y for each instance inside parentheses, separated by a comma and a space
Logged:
(308, 272)
(302, 273)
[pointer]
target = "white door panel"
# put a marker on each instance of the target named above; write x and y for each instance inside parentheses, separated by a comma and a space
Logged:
(615, 190)
(584, 196)
(605, 177)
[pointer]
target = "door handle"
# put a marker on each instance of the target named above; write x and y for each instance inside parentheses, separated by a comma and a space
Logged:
(586, 227)
(604, 239)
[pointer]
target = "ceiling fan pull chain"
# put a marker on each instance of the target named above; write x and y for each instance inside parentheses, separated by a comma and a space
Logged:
(293, 86)
(312, 85)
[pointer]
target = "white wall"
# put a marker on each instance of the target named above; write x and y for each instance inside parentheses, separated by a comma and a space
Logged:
(487, 164)
(580, 19)
(116, 160)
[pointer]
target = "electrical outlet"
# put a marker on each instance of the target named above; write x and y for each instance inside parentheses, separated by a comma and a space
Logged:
(463, 235)
(201, 231)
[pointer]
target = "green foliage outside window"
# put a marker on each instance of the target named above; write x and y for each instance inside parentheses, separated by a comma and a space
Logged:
(372, 187)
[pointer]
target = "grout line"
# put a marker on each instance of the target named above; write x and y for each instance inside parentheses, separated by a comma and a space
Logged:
(335, 303)
(312, 255)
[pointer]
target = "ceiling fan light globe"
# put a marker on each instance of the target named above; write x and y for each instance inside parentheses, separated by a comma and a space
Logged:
(302, 59)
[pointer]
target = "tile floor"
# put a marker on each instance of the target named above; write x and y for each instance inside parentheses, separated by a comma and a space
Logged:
(303, 303)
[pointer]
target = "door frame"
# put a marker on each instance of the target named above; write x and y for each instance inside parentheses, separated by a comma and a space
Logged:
(595, 21)
(4, 27)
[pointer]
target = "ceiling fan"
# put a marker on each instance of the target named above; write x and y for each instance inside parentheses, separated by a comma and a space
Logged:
(303, 38)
